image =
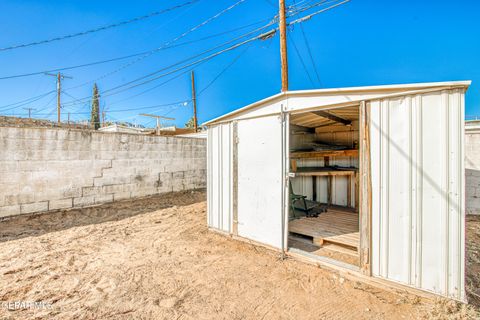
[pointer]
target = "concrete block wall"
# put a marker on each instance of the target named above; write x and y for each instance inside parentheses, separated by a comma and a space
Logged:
(44, 169)
(472, 170)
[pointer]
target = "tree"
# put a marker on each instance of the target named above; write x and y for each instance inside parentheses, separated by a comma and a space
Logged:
(95, 115)
(190, 123)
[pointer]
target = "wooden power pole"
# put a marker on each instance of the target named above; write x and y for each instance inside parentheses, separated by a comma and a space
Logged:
(59, 77)
(29, 112)
(283, 44)
(194, 100)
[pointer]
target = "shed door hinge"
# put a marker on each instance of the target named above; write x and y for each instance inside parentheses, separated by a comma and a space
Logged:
(237, 140)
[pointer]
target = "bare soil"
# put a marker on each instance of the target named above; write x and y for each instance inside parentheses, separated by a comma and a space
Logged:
(472, 281)
(154, 258)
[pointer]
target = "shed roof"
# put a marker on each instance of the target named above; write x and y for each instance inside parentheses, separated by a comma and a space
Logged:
(339, 96)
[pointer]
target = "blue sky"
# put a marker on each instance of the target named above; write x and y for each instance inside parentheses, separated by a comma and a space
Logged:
(363, 42)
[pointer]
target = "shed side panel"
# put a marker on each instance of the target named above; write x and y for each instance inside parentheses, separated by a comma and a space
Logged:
(417, 191)
(219, 186)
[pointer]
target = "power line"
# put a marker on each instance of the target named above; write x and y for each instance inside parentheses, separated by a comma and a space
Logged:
(135, 54)
(89, 64)
(183, 102)
(148, 54)
(106, 92)
(114, 25)
(25, 102)
(315, 69)
(301, 60)
(310, 54)
(310, 16)
(224, 70)
(262, 36)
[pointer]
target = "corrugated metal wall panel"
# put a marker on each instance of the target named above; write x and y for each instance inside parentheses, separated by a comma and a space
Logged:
(260, 179)
(417, 191)
(219, 186)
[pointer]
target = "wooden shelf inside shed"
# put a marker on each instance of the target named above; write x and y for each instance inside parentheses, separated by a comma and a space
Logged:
(324, 171)
(323, 153)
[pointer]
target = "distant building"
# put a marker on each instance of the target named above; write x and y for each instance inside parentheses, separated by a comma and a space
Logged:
(174, 131)
(126, 129)
(472, 126)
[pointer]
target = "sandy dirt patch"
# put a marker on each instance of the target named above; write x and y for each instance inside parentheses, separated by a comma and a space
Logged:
(155, 259)
(472, 282)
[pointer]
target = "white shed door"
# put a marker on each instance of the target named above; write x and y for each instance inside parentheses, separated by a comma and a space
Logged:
(260, 180)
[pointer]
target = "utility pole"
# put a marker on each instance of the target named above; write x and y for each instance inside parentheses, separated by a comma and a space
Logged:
(158, 120)
(194, 100)
(29, 112)
(59, 77)
(103, 118)
(68, 121)
(283, 44)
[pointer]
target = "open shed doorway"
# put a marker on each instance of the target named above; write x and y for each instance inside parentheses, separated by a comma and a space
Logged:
(324, 183)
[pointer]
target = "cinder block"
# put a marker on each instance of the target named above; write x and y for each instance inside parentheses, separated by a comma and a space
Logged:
(104, 198)
(112, 188)
(84, 201)
(20, 198)
(60, 204)
(71, 191)
(8, 166)
(121, 195)
(34, 207)
(90, 190)
(7, 211)
(179, 175)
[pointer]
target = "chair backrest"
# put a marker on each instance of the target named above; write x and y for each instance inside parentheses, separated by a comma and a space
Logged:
(290, 188)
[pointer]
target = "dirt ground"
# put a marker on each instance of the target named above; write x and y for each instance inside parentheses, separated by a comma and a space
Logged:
(472, 244)
(155, 259)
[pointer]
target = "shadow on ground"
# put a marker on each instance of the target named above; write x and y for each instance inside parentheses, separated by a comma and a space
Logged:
(38, 224)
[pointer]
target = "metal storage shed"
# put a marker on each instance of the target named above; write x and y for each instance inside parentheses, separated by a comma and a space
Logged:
(401, 178)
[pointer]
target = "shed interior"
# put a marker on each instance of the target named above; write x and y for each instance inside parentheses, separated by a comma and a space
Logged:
(324, 162)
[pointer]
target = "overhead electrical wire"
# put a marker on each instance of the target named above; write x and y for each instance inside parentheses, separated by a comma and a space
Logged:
(223, 71)
(139, 108)
(128, 56)
(163, 46)
(45, 106)
(107, 92)
(315, 69)
(148, 53)
(262, 36)
(310, 16)
(89, 64)
(312, 60)
(114, 25)
(267, 34)
(301, 59)
(25, 102)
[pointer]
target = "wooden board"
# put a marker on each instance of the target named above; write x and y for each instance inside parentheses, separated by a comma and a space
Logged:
(324, 171)
(333, 251)
(334, 226)
(348, 239)
(323, 153)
